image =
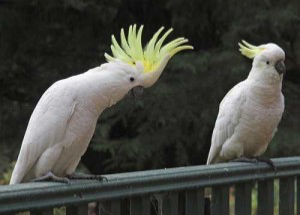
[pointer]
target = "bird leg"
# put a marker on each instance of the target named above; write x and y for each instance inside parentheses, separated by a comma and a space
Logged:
(256, 160)
(82, 176)
(49, 176)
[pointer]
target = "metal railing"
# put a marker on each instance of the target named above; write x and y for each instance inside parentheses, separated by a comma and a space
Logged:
(175, 191)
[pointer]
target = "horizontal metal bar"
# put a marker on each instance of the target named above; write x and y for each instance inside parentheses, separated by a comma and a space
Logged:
(40, 195)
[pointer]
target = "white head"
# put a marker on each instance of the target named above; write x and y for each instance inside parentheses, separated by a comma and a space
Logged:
(142, 67)
(268, 61)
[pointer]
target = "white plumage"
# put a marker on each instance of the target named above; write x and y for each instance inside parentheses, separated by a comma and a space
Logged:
(250, 112)
(64, 120)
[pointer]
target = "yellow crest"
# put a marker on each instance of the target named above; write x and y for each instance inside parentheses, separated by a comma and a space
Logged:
(131, 49)
(249, 50)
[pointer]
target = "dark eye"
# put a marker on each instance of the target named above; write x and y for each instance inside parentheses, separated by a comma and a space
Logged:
(131, 79)
(268, 62)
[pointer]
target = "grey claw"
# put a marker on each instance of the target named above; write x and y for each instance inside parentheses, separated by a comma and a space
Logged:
(49, 176)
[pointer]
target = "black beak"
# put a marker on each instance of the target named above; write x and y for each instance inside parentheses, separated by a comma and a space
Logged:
(136, 92)
(280, 67)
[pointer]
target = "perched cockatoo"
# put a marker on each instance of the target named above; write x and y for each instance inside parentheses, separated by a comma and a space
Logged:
(64, 120)
(250, 112)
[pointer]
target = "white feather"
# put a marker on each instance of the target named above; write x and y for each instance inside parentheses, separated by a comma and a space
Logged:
(250, 112)
(227, 120)
(64, 120)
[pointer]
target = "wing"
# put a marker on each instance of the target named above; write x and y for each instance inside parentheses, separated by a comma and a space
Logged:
(227, 120)
(46, 127)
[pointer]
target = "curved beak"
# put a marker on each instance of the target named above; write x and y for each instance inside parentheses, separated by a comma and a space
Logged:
(280, 67)
(136, 92)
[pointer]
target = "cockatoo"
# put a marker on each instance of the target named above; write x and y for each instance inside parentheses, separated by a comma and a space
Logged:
(251, 111)
(64, 120)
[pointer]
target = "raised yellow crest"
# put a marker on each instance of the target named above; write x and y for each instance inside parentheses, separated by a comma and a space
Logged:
(249, 50)
(131, 49)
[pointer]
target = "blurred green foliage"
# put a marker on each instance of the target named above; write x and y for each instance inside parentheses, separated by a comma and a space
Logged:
(44, 41)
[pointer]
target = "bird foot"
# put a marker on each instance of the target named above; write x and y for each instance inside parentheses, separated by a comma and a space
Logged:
(49, 176)
(256, 160)
(81, 176)
(245, 160)
(267, 161)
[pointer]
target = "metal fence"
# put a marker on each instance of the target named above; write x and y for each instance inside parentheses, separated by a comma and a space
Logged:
(174, 191)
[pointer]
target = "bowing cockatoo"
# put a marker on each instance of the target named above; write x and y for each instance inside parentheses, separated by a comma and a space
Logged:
(251, 111)
(64, 120)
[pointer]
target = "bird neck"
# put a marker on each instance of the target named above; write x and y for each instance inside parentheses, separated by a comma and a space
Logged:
(264, 92)
(265, 77)
(105, 88)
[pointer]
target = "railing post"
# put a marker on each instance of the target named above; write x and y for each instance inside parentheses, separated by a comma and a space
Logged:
(220, 200)
(298, 195)
(194, 202)
(170, 204)
(47, 211)
(243, 198)
(286, 196)
(265, 197)
(112, 207)
(140, 205)
(77, 210)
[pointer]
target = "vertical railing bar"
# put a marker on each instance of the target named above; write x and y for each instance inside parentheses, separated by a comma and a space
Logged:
(298, 195)
(140, 205)
(220, 200)
(243, 199)
(286, 196)
(13, 213)
(116, 207)
(181, 202)
(194, 202)
(77, 209)
(125, 206)
(170, 204)
(112, 207)
(146, 205)
(71, 210)
(46, 211)
(35, 212)
(265, 197)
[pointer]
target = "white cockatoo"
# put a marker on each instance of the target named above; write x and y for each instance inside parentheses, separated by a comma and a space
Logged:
(251, 111)
(64, 120)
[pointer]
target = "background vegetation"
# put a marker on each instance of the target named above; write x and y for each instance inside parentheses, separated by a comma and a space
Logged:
(44, 41)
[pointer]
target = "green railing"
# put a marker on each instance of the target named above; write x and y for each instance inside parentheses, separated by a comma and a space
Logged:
(174, 191)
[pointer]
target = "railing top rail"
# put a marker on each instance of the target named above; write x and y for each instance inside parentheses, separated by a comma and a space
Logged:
(49, 194)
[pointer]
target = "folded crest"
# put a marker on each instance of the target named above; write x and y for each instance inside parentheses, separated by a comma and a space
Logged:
(249, 50)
